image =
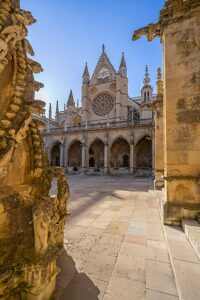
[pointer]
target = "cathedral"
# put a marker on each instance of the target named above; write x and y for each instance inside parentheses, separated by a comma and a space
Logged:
(110, 132)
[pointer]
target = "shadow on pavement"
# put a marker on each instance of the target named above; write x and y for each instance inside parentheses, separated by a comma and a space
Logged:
(72, 285)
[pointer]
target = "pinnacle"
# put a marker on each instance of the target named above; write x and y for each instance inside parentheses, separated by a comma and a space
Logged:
(86, 72)
(70, 101)
(123, 62)
(146, 78)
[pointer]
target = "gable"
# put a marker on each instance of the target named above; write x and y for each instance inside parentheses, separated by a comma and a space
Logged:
(104, 71)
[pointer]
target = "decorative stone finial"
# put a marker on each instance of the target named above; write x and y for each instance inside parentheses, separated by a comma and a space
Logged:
(159, 82)
(103, 48)
(146, 78)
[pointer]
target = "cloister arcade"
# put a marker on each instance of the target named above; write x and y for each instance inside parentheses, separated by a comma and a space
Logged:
(103, 156)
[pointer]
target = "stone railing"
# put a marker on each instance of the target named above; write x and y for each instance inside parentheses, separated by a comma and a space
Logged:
(108, 125)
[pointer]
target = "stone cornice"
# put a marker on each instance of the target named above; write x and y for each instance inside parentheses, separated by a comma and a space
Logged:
(175, 10)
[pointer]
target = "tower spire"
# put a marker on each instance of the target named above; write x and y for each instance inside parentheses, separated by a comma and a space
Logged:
(70, 101)
(123, 67)
(146, 78)
(50, 111)
(57, 107)
(103, 48)
(86, 75)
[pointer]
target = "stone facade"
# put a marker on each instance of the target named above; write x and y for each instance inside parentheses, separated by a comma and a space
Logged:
(110, 132)
(31, 222)
(178, 28)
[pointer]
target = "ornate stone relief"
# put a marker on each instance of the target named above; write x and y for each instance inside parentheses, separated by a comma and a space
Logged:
(32, 222)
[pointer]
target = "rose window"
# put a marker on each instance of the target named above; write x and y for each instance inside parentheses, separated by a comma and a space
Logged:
(102, 105)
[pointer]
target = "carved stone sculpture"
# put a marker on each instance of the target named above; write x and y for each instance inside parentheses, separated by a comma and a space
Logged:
(31, 221)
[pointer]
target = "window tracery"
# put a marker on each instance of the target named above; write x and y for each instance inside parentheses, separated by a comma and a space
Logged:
(102, 105)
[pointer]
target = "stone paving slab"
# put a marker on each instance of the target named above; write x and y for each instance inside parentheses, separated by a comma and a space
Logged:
(160, 277)
(114, 242)
(154, 295)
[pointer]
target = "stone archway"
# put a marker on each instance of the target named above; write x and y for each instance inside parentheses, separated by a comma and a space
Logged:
(143, 154)
(75, 155)
(120, 154)
(55, 154)
(96, 155)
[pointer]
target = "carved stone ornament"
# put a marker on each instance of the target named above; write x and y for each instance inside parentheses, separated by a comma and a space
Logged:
(32, 222)
(102, 105)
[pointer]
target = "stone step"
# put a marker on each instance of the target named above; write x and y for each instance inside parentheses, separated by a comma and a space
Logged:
(185, 263)
(192, 231)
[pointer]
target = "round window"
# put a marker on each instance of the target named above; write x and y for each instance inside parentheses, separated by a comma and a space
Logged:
(102, 105)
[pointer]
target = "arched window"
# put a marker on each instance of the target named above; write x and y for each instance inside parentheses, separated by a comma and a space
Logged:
(148, 96)
(145, 96)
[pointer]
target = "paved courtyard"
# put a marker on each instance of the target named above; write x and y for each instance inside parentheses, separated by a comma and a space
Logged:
(114, 241)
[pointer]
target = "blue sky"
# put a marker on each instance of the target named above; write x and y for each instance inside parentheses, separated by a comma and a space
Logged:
(70, 32)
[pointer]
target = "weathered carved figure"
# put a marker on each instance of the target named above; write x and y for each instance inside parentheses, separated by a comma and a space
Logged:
(151, 31)
(31, 222)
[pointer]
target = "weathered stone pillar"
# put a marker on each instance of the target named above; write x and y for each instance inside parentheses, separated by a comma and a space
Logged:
(179, 30)
(66, 157)
(83, 156)
(106, 158)
(159, 151)
(181, 114)
(62, 155)
(132, 158)
(159, 142)
(106, 154)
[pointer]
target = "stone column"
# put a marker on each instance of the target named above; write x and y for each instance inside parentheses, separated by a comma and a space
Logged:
(153, 152)
(131, 157)
(159, 144)
(178, 28)
(181, 112)
(65, 154)
(83, 157)
(62, 155)
(106, 168)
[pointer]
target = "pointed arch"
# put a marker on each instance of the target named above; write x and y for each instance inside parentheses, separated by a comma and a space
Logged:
(74, 154)
(96, 154)
(120, 153)
(55, 153)
(143, 153)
